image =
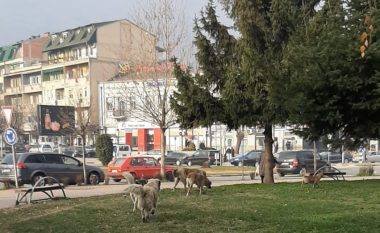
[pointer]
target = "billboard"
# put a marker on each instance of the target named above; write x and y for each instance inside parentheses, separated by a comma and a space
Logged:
(56, 120)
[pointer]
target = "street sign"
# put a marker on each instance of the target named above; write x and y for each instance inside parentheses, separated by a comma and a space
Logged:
(7, 111)
(10, 136)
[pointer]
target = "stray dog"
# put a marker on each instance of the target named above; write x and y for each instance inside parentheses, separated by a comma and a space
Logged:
(182, 173)
(312, 179)
(131, 180)
(199, 179)
(146, 196)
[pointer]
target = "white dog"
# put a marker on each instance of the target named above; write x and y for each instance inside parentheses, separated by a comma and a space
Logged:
(146, 196)
(131, 180)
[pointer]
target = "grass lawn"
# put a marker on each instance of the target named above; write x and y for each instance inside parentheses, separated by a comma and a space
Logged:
(283, 207)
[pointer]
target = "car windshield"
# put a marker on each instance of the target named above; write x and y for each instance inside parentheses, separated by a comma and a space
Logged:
(119, 161)
(8, 159)
(123, 148)
(287, 155)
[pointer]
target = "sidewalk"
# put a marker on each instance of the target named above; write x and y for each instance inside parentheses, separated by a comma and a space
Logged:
(8, 197)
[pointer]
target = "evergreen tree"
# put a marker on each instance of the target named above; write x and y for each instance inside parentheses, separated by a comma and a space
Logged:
(265, 27)
(331, 87)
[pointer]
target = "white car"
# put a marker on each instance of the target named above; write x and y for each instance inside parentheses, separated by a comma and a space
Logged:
(41, 148)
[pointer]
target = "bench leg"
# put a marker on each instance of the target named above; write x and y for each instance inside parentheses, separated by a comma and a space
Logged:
(23, 198)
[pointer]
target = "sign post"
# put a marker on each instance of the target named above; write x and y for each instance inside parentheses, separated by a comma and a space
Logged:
(10, 137)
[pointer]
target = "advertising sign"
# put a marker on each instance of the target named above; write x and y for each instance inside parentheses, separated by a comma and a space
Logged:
(56, 120)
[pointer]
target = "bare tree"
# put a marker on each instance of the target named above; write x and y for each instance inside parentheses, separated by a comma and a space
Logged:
(150, 80)
(84, 127)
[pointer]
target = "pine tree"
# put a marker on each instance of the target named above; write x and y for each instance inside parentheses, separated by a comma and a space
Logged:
(332, 85)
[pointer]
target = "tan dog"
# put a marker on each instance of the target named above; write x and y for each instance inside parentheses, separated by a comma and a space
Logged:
(312, 179)
(147, 197)
(198, 179)
(131, 180)
(182, 173)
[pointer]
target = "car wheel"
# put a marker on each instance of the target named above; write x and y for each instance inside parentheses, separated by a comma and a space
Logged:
(240, 164)
(346, 161)
(36, 178)
(117, 180)
(93, 178)
(189, 163)
(178, 163)
(282, 174)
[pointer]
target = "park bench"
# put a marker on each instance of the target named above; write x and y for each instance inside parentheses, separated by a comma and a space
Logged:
(44, 185)
(332, 172)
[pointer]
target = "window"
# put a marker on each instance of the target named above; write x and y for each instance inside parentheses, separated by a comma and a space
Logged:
(149, 162)
(137, 162)
(55, 159)
(69, 161)
(37, 158)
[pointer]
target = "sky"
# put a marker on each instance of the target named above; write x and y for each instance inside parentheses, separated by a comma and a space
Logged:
(24, 18)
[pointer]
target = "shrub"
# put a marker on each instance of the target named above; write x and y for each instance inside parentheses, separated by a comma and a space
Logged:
(104, 149)
(366, 170)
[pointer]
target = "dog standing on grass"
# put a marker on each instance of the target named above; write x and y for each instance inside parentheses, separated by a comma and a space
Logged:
(312, 179)
(146, 196)
(131, 180)
(181, 174)
(198, 179)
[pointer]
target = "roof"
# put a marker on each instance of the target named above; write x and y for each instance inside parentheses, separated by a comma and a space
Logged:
(8, 52)
(80, 35)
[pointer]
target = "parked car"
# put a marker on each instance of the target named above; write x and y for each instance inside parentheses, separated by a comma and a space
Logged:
(78, 152)
(336, 157)
(200, 157)
(19, 148)
(40, 148)
(121, 150)
(174, 158)
(141, 167)
(373, 156)
(292, 162)
(33, 166)
(248, 159)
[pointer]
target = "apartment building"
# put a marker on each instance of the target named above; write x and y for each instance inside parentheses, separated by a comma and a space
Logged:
(65, 68)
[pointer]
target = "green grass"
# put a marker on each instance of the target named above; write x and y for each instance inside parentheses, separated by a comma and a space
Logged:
(283, 207)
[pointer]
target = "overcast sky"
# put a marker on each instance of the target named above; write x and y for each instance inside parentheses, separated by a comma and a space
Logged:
(24, 18)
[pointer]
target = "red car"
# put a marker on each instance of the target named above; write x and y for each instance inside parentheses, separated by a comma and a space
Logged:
(141, 167)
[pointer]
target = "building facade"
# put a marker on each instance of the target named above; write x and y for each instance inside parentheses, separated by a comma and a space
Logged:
(64, 68)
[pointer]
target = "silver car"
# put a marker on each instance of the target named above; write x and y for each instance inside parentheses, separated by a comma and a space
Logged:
(373, 156)
(32, 166)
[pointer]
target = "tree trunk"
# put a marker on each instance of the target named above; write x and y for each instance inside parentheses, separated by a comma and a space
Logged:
(84, 158)
(239, 139)
(268, 155)
(163, 149)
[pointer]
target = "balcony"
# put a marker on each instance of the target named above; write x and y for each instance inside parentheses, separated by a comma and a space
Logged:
(12, 90)
(32, 88)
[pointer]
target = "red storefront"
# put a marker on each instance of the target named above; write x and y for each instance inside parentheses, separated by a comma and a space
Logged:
(147, 139)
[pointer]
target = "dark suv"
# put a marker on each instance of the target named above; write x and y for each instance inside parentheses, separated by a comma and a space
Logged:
(292, 162)
(200, 157)
(32, 166)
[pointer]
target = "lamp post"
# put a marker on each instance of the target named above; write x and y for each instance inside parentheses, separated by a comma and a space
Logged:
(117, 136)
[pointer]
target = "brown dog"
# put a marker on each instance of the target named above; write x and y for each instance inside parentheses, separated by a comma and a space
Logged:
(198, 179)
(182, 173)
(312, 179)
